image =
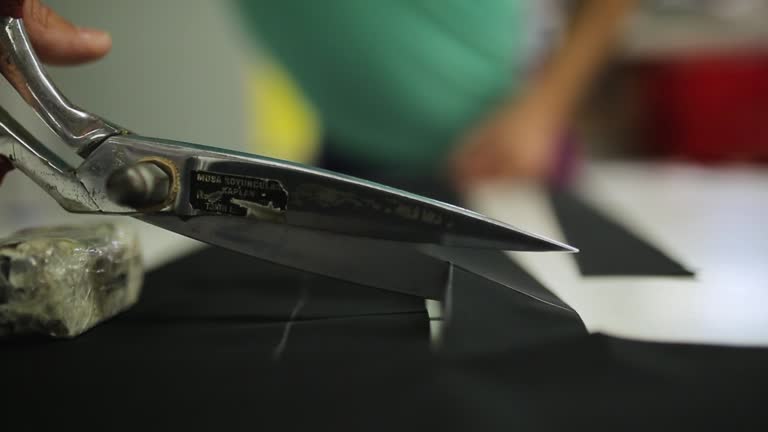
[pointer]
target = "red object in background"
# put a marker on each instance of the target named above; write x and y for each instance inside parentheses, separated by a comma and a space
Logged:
(709, 108)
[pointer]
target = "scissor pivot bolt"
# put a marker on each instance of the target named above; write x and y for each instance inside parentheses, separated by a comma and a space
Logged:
(138, 186)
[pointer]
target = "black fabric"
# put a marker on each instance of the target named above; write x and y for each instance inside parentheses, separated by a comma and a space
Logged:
(198, 353)
(606, 248)
(208, 348)
(593, 382)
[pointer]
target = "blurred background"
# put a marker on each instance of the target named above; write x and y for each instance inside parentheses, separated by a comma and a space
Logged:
(689, 75)
(690, 83)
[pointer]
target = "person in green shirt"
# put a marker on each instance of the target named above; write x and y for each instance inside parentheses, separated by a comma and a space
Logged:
(410, 86)
(394, 81)
(435, 86)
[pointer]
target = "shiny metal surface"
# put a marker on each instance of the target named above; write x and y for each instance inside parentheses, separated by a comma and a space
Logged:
(44, 167)
(21, 67)
(312, 198)
(495, 266)
(373, 263)
(290, 214)
(139, 186)
(210, 181)
(335, 244)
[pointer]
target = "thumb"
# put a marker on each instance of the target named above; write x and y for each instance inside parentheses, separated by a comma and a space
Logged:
(57, 40)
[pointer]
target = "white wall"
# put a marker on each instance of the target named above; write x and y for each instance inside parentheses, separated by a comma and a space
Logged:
(176, 71)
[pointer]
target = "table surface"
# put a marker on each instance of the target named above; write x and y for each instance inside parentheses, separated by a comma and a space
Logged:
(222, 341)
(711, 220)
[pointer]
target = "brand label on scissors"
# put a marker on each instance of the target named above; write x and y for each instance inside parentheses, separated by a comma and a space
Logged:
(213, 192)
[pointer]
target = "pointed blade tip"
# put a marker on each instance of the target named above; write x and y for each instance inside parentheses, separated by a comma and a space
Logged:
(555, 246)
(549, 245)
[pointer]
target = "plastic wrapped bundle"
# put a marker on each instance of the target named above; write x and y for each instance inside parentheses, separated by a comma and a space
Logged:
(62, 281)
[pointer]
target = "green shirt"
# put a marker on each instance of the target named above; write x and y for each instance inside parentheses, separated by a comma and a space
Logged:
(396, 82)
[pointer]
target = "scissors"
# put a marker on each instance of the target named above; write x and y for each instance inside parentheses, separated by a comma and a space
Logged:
(287, 213)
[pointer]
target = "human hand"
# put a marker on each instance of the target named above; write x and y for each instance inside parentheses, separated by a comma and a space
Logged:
(517, 141)
(56, 40)
(522, 139)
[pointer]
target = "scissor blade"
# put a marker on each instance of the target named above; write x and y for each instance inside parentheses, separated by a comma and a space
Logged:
(498, 267)
(317, 199)
(380, 264)
(356, 207)
(213, 181)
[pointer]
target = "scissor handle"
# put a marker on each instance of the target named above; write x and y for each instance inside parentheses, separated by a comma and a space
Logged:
(78, 128)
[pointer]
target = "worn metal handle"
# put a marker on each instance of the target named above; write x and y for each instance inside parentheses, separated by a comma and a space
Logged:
(42, 165)
(19, 64)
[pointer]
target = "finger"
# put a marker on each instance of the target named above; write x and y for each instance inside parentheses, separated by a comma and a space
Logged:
(475, 167)
(58, 41)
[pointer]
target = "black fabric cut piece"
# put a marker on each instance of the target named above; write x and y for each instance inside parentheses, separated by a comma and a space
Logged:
(483, 318)
(605, 247)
